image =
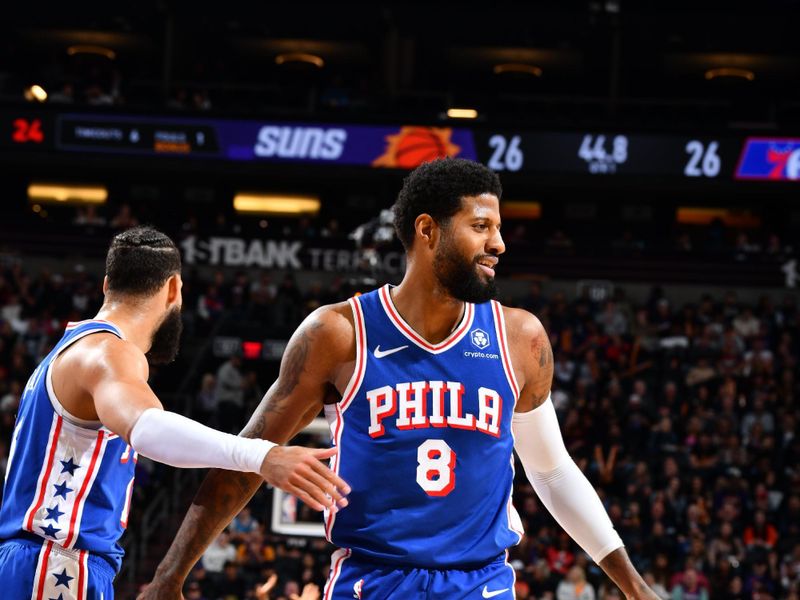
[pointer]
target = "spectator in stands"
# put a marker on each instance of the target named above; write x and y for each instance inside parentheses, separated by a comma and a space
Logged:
(575, 586)
(124, 218)
(220, 552)
(689, 585)
(657, 586)
(206, 403)
(230, 395)
(760, 534)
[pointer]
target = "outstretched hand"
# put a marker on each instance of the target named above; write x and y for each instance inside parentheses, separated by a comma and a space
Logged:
(301, 472)
(262, 591)
(310, 592)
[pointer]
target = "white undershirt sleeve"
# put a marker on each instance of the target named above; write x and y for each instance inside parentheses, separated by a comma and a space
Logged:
(175, 440)
(560, 484)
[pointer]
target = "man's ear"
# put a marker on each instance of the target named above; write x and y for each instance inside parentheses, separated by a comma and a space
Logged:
(105, 285)
(427, 229)
(174, 285)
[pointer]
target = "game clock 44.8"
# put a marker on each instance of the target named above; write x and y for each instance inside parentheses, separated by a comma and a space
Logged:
(597, 153)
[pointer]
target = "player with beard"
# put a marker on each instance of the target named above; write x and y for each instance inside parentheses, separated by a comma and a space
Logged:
(428, 387)
(85, 414)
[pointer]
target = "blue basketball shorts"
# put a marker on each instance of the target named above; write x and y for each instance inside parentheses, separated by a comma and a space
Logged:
(354, 578)
(46, 571)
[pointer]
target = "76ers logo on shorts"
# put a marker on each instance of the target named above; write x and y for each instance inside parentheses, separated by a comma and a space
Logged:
(480, 338)
(357, 589)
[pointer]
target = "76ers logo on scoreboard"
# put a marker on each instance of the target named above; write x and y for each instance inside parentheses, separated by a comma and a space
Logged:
(479, 338)
(765, 158)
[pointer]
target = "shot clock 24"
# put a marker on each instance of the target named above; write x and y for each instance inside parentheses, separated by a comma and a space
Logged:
(26, 131)
(608, 154)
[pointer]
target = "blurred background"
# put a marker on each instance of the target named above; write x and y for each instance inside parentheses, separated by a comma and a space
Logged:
(649, 153)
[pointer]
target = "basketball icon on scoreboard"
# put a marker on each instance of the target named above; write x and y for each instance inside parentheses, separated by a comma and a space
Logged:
(412, 146)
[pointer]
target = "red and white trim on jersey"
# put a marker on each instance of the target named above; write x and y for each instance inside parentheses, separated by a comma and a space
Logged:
(54, 401)
(73, 324)
(337, 560)
(44, 474)
(59, 572)
(508, 367)
(394, 316)
(514, 521)
(73, 459)
(80, 500)
(335, 412)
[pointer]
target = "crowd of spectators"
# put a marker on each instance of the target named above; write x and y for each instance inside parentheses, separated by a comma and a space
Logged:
(713, 241)
(696, 458)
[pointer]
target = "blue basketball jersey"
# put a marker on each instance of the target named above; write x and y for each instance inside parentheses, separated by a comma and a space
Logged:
(425, 442)
(68, 481)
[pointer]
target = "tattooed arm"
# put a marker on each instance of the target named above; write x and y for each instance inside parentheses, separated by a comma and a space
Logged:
(318, 361)
(558, 482)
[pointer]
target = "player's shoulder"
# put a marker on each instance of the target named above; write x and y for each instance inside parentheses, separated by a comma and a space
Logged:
(336, 318)
(106, 352)
(330, 328)
(521, 324)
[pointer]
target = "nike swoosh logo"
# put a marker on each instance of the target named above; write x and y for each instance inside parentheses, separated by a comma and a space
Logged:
(381, 353)
(487, 594)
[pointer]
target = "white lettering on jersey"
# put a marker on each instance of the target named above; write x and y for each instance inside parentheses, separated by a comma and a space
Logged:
(490, 407)
(407, 406)
(455, 418)
(422, 404)
(437, 404)
(382, 403)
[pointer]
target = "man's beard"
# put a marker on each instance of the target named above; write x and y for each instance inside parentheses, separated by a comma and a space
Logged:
(166, 339)
(460, 277)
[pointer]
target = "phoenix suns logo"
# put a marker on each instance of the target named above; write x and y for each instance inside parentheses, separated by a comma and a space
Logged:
(413, 145)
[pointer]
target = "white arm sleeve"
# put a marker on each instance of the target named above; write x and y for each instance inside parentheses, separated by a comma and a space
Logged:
(172, 439)
(560, 484)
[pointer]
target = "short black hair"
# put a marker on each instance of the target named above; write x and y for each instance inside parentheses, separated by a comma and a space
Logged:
(140, 260)
(436, 188)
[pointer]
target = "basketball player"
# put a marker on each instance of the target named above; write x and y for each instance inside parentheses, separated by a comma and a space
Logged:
(428, 388)
(86, 412)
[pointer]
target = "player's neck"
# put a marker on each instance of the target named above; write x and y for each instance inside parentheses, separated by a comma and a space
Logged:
(136, 322)
(426, 306)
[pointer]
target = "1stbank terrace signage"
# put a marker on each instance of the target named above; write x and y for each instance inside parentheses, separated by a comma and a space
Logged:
(287, 255)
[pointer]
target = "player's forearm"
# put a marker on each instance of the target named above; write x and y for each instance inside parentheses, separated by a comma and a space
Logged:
(220, 498)
(618, 567)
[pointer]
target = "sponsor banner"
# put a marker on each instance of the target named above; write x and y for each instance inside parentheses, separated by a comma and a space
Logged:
(289, 255)
(773, 159)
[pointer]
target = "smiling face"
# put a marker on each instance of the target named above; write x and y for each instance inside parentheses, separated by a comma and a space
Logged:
(467, 253)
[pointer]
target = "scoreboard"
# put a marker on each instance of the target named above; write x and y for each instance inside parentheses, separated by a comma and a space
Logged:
(601, 154)
(610, 153)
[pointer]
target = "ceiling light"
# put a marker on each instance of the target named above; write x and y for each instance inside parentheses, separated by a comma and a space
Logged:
(67, 192)
(88, 49)
(732, 72)
(276, 204)
(513, 67)
(35, 93)
(299, 57)
(462, 113)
